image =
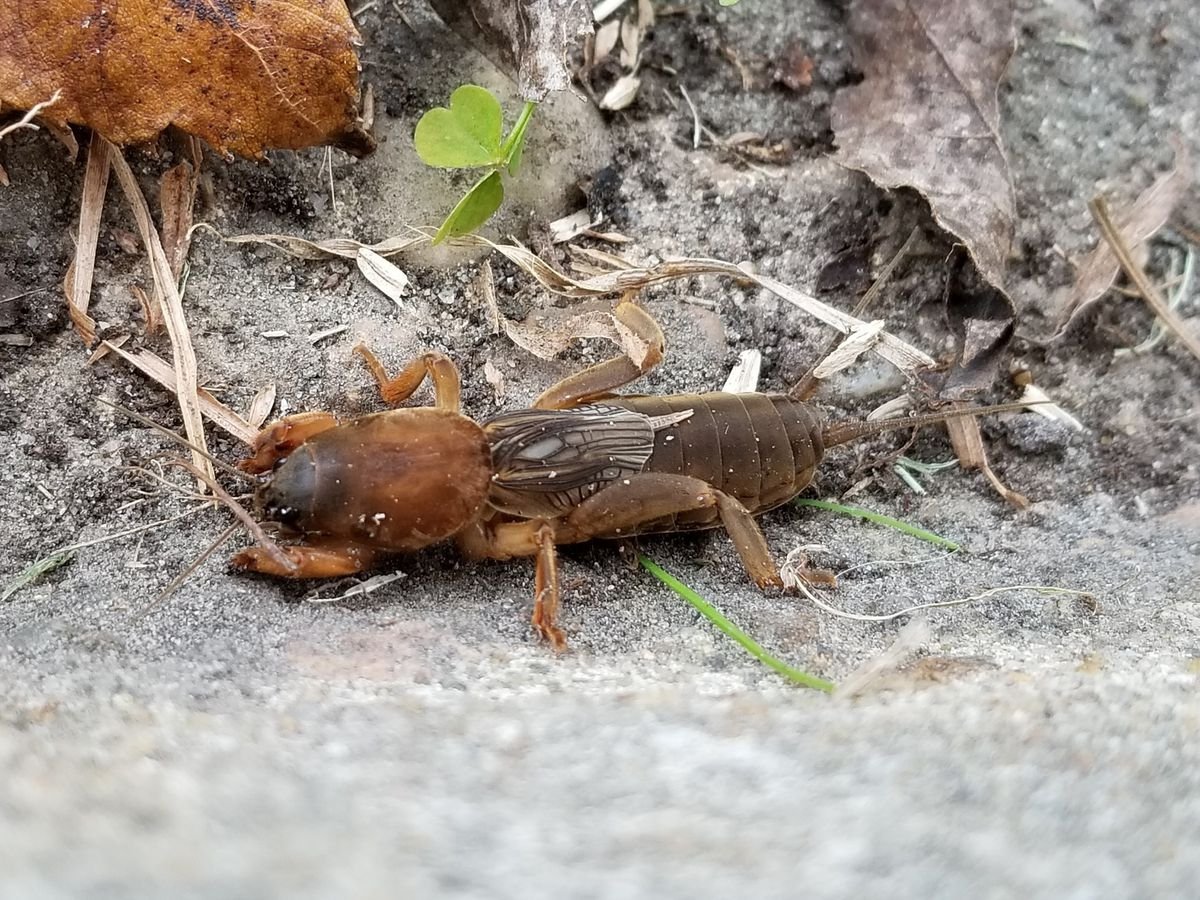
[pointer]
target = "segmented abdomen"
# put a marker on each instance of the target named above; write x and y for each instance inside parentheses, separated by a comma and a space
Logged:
(760, 448)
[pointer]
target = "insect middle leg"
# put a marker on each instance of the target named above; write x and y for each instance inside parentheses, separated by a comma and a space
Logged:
(603, 378)
(441, 371)
(618, 510)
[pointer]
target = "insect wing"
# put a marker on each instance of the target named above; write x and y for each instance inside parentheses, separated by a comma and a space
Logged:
(548, 461)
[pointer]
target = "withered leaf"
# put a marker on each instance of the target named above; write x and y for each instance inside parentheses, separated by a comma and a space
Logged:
(1142, 221)
(532, 37)
(242, 75)
(927, 115)
(982, 320)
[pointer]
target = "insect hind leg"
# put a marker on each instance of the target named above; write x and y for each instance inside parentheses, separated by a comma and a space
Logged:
(603, 378)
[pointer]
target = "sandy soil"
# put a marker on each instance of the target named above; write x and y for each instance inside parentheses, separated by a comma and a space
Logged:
(239, 741)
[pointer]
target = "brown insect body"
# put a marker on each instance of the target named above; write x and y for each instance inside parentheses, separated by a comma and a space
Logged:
(581, 464)
(761, 449)
(397, 480)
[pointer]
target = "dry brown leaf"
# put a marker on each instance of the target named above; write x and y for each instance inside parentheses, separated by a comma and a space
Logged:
(982, 319)
(241, 75)
(533, 37)
(927, 116)
(1149, 213)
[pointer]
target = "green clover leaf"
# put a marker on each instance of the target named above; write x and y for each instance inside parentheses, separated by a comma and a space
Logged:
(483, 199)
(463, 136)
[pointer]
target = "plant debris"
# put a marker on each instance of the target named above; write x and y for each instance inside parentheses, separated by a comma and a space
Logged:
(533, 38)
(242, 77)
(927, 115)
(1148, 214)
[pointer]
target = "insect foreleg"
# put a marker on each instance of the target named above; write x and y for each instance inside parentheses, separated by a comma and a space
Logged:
(441, 371)
(283, 436)
(320, 558)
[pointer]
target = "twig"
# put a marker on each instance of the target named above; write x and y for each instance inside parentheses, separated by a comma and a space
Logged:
(695, 118)
(26, 121)
(1170, 318)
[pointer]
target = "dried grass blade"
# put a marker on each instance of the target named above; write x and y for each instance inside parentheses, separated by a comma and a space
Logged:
(161, 371)
(77, 285)
(300, 248)
(904, 356)
(186, 380)
(1137, 275)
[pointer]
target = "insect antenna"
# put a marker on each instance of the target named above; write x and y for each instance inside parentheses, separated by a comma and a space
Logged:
(182, 441)
(845, 432)
(255, 530)
(187, 573)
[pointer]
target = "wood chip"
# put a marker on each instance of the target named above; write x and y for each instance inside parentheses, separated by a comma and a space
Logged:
(317, 336)
(622, 94)
(570, 227)
(743, 377)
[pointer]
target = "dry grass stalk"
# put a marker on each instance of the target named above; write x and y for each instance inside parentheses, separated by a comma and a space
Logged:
(899, 353)
(77, 285)
(186, 379)
(160, 370)
(1137, 275)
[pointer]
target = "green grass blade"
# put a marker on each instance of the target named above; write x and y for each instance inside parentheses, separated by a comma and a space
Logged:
(34, 572)
(880, 519)
(714, 615)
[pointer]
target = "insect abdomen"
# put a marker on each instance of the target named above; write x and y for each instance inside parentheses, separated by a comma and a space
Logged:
(760, 448)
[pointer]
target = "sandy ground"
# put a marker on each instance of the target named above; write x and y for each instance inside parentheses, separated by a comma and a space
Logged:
(240, 742)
